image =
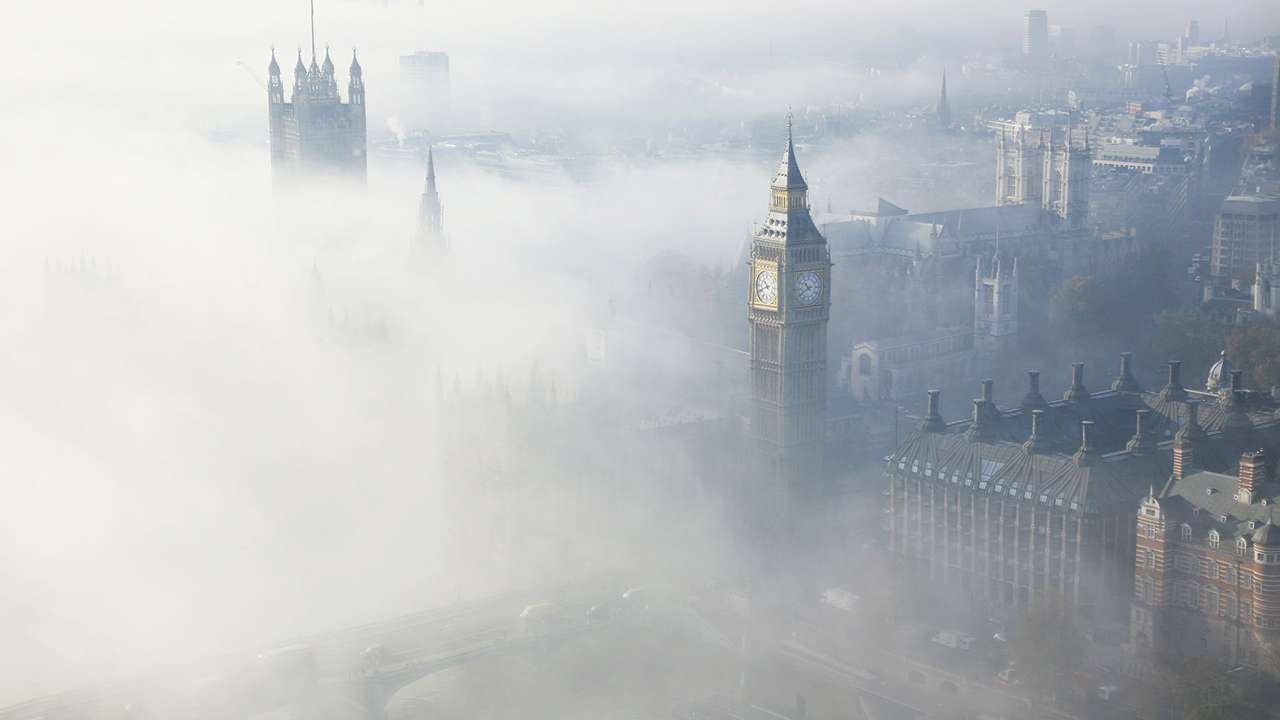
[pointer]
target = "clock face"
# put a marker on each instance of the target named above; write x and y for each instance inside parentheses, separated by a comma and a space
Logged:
(808, 288)
(767, 287)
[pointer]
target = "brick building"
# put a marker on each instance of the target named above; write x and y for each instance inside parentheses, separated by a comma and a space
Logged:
(1207, 570)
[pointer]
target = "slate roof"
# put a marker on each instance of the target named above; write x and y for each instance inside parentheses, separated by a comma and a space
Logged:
(993, 458)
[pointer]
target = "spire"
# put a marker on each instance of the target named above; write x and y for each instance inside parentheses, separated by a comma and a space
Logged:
(328, 62)
(431, 170)
(299, 69)
(789, 177)
(273, 68)
(430, 232)
(356, 71)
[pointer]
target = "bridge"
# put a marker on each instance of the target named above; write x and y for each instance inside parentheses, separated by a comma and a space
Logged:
(362, 668)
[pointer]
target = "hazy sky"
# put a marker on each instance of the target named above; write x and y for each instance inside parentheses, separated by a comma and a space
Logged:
(186, 468)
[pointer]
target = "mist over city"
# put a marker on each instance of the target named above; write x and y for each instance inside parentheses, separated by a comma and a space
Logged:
(387, 359)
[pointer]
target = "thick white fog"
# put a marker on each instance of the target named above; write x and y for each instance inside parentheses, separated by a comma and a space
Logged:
(189, 466)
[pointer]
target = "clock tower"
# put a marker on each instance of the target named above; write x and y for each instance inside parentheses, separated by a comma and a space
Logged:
(789, 301)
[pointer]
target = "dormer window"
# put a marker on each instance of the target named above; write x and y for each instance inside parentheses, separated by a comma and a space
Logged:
(1253, 525)
(1241, 547)
(1214, 538)
(1186, 532)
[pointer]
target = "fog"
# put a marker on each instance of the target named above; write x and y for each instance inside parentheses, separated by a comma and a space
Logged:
(228, 422)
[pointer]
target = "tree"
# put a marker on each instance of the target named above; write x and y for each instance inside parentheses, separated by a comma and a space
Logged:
(1205, 692)
(1047, 646)
(1255, 348)
(1188, 336)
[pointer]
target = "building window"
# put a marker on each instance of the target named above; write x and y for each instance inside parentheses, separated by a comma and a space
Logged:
(1214, 539)
(1241, 547)
(1186, 532)
(864, 365)
(1151, 560)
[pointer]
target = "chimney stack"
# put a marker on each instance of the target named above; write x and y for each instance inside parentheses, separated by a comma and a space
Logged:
(1125, 382)
(1077, 391)
(1034, 440)
(1173, 390)
(933, 421)
(1141, 442)
(1033, 399)
(1185, 441)
(977, 428)
(1085, 455)
(1253, 472)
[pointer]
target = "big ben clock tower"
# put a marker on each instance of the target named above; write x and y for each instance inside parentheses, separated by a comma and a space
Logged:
(789, 301)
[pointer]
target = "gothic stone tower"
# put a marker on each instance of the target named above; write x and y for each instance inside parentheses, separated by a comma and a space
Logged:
(789, 303)
(995, 309)
(316, 132)
(1043, 167)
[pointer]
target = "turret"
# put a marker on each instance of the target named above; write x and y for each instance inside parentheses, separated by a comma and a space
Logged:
(299, 78)
(275, 86)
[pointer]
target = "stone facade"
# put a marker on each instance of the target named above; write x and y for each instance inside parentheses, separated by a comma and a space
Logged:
(316, 133)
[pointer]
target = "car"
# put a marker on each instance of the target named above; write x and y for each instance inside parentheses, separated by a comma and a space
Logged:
(1107, 692)
(1000, 637)
(1008, 677)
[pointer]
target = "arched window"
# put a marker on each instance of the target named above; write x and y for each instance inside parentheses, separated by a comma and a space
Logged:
(864, 365)
(1151, 559)
(1241, 547)
(1186, 532)
(1213, 539)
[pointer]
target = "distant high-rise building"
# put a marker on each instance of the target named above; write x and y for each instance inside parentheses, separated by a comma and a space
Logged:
(1035, 35)
(430, 234)
(424, 76)
(1275, 96)
(1193, 33)
(944, 107)
(316, 133)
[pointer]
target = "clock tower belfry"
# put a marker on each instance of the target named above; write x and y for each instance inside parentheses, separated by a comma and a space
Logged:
(789, 301)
